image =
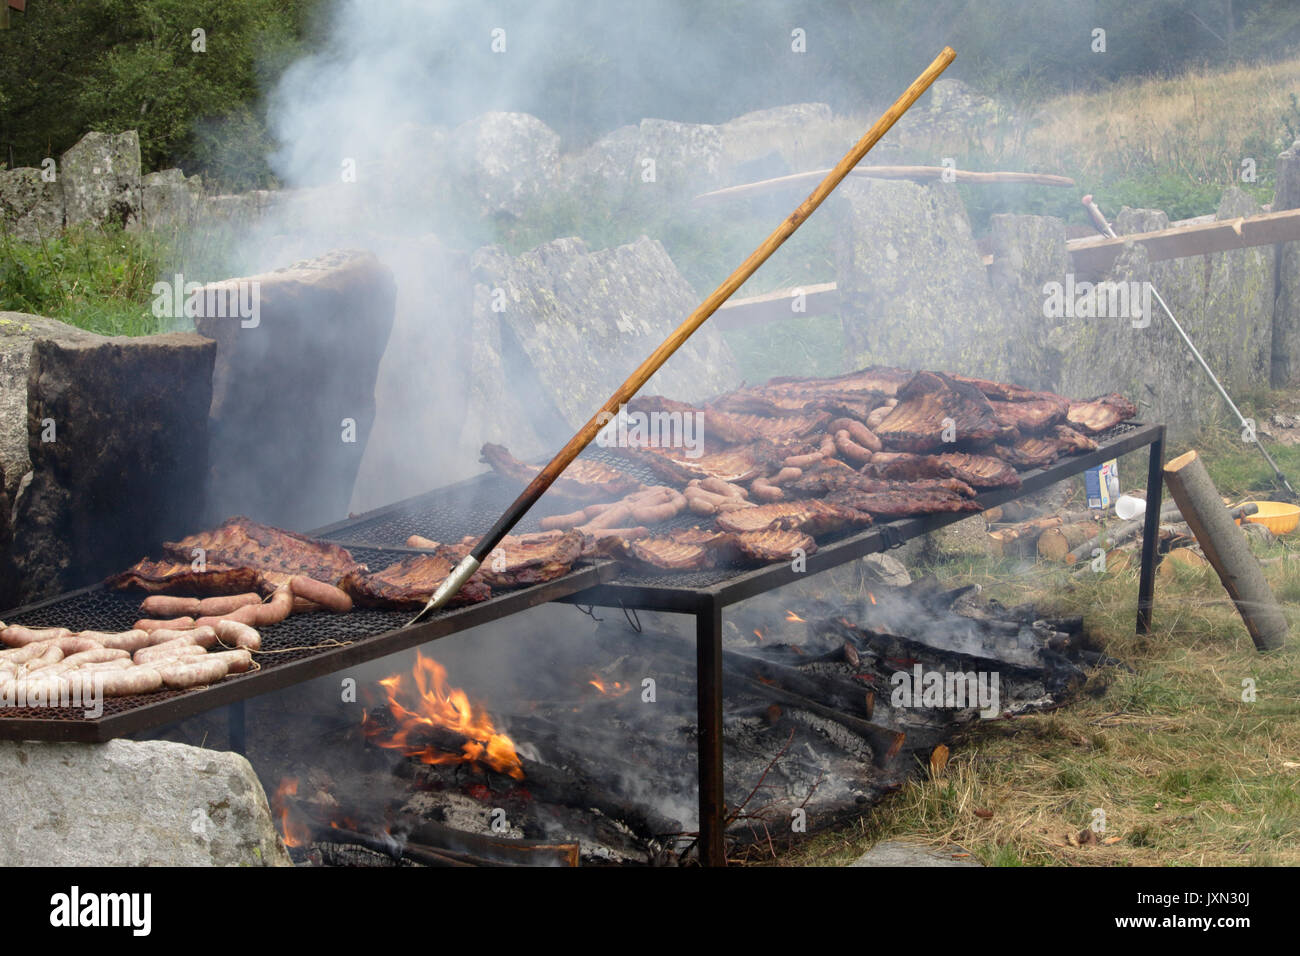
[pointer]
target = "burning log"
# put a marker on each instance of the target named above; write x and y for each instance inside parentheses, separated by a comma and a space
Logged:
(1226, 547)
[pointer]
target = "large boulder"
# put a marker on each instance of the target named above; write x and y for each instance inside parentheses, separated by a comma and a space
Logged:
(101, 179)
(30, 207)
(1028, 252)
(779, 137)
(134, 803)
(293, 392)
(1286, 313)
(1222, 300)
(505, 161)
(573, 324)
(913, 286)
(662, 157)
(168, 199)
(103, 446)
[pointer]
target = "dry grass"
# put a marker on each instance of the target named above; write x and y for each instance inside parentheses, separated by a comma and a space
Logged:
(1185, 771)
(1201, 124)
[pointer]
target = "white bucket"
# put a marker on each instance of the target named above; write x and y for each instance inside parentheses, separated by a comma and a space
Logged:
(1127, 507)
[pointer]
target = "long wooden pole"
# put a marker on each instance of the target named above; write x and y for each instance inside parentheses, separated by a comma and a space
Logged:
(916, 173)
(624, 392)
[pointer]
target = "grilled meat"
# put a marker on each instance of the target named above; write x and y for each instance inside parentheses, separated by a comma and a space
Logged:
(410, 583)
(1031, 416)
(932, 406)
(179, 577)
(581, 481)
(981, 471)
(1072, 440)
(809, 516)
(238, 556)
(773, 544)
(903, 500)
(737, 464)
(686, 549)
(1101, 414)
(1031, 452)
(524, 560)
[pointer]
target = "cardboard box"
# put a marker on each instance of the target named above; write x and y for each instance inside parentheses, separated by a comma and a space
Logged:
(1102, 484)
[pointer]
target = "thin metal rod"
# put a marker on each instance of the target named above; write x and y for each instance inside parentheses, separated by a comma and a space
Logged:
(1104, 227)
(1151, 532)
(708, 683)
(623, 394)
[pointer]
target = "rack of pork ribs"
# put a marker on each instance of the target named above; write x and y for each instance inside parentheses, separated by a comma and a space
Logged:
(780, 465)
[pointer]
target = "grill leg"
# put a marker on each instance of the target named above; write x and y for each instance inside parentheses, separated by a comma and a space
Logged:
(708, 681)
(1150, 531)
(236, 728)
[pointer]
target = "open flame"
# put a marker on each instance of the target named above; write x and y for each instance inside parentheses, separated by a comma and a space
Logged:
(615, 689)
(439, 711)
(872, 596)
(293, 831)
(791, 616)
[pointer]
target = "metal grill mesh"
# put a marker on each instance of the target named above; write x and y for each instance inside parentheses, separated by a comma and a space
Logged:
(295, 638)
(446, 515)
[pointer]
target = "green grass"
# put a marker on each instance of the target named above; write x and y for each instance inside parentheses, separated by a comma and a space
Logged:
(96, 279)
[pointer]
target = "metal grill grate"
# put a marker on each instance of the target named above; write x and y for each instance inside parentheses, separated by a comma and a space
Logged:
(445, 515)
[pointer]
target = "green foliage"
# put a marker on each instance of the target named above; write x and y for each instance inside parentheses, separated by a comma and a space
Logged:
(70, 66)
(99, 279)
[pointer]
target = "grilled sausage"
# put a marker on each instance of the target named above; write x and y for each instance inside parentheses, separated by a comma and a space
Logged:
(234, 634)
(175, 624)
(720, 487)
(559, 522)
(418, 541)
(177, 675)
(169, 651)
(203, 636)
(51, 655)
(803, 461)
(168, 605)
(18, 636)
(124, 682)
(99, 655)
(21, 655)
(851, 449)
(237, 661)
(760, 488)
(217, 606)
(879, 415)
(76, 643)
(789, 473)
(326, 595)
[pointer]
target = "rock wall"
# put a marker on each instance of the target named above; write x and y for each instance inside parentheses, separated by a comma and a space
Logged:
(293, 391)
(103, 450)
(1223, 301)
(560, 327)
(913, 288)
(134, 803)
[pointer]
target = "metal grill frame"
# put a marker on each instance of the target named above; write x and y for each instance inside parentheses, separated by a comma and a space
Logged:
(605, 584)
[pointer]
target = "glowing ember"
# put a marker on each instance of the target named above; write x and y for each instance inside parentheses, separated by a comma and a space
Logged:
(758, 634)
(293, 831)
(439, 707)
(872, 596)
(616, 689)
(791, 616)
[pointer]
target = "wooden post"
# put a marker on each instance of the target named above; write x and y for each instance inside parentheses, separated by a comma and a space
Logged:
(1225, 546)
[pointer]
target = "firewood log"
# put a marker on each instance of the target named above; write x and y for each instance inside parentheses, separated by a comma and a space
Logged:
(1227, 549)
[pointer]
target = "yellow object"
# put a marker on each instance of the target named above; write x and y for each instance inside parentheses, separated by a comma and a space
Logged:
(1277, 516)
